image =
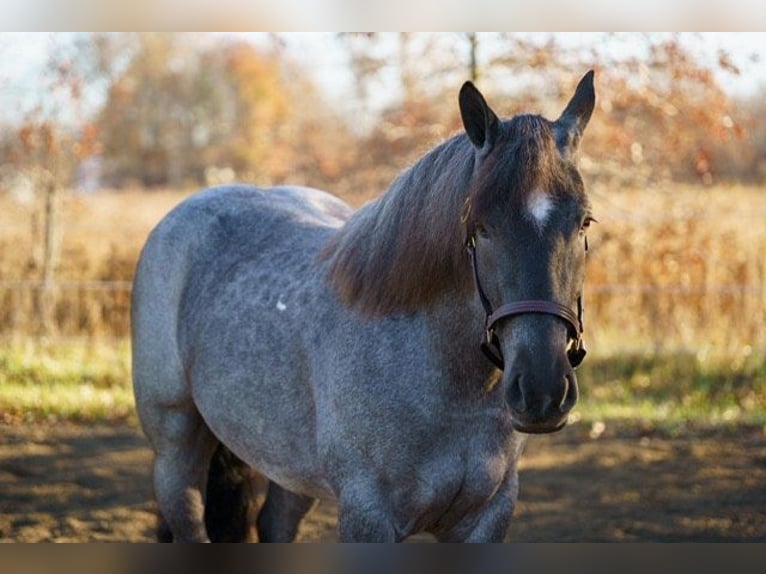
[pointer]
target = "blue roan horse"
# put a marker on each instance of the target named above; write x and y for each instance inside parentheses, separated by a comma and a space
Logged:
(338, 353)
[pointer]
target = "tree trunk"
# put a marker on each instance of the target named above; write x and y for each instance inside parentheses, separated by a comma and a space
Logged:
(473, 66)
(46, 294)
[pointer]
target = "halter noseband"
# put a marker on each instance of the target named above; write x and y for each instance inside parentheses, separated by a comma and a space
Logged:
(491, 345)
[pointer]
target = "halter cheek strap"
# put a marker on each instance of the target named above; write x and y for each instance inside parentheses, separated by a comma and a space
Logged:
(491, 344)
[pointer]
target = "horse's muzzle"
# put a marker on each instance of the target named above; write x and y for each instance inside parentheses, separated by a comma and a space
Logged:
(540, 399)
(538, 428)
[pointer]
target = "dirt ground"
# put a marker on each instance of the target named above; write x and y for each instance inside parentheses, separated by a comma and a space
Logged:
(81, 483)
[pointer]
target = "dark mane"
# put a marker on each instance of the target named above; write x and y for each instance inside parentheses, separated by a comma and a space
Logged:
(401, 251)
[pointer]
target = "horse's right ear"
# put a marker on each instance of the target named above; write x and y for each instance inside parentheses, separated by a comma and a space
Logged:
(571, 124)
(480, 122)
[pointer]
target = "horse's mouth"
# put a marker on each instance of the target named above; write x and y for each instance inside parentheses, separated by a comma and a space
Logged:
(538, 428)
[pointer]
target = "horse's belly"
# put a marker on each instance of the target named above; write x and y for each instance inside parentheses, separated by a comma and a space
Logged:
(269, 425)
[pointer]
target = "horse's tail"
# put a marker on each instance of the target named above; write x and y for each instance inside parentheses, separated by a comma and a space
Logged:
(232, 498)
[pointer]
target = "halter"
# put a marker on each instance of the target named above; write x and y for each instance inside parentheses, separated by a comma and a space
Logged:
(491, 344)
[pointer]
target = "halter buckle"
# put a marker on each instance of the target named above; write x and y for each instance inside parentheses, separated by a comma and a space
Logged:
(576, 353)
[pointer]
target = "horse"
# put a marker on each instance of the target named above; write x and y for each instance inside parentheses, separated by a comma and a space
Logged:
(394, 358)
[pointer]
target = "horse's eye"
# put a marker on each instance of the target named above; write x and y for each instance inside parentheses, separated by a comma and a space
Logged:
(481, 231)
(586, 223)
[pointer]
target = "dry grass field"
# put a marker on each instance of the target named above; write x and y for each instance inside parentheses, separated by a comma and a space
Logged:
(680, 267)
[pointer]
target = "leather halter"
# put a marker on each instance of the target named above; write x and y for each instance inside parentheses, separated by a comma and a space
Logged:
(491, 344)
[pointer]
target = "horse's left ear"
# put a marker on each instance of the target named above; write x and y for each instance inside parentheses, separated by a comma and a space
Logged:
(480, 122)
(571, 124)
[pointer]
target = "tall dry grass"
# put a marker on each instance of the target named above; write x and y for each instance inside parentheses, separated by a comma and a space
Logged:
(681, 267)
(99, 238)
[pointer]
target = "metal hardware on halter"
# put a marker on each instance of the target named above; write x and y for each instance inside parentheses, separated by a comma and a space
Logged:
(491, 346)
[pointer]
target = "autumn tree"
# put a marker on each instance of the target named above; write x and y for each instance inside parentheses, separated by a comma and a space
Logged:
(664, 116)
(749, 158)
(160, 114)
(183, 107)
(662, 113)
(417, 73)
(42, 150)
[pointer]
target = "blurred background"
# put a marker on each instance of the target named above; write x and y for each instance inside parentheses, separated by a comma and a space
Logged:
(102, 133)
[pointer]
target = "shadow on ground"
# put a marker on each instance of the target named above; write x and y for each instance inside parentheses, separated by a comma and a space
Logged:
(83, 483)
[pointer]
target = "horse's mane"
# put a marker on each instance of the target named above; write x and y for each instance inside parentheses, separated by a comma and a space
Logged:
(401, 251)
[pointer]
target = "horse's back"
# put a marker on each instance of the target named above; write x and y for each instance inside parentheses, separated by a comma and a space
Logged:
(252, 207)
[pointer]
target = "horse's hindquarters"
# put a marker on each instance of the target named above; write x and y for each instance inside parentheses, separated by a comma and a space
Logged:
(210, 299)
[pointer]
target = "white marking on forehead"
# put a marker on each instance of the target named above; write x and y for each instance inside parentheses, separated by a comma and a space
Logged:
(281, 306)
(539, 206)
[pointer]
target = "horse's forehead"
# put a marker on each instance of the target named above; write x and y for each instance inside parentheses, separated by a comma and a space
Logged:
(538, 206)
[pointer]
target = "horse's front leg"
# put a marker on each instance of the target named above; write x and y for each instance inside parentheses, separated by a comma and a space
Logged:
(281, 514)
(363, 515)
(493, 521)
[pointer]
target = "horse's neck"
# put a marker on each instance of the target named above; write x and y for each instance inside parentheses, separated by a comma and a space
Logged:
(456, 324)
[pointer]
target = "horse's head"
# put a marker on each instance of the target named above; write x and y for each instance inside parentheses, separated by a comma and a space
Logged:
(526, 218)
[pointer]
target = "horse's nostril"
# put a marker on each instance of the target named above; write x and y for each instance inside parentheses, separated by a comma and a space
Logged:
(570, 393)
(516, 395)
(564, 395)
(531, 397)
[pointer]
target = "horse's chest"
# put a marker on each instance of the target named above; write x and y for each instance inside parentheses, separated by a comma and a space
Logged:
(481, 478)
(450, 489)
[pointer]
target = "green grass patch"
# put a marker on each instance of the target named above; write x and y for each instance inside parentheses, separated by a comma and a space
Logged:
(674, 390)
(667, 391)
(72, 380)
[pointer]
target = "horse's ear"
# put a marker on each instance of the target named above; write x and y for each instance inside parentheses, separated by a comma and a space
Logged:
(571, 124)
(480, 122)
